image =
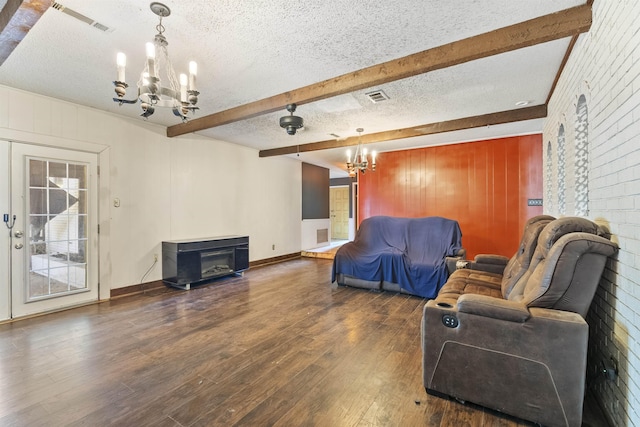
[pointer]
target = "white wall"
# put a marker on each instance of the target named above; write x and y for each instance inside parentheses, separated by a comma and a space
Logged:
(5, 239)
(309, 230)
(169, 188)
(605, 67)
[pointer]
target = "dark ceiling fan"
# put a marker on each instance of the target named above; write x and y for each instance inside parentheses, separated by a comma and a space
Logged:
(291, 123)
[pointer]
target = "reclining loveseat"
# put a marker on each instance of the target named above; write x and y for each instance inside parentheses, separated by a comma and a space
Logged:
(516, 341)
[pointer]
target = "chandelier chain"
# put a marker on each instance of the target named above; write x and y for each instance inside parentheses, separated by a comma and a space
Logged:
(160, 28)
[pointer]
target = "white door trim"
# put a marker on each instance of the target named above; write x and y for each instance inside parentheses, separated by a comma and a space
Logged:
(7, 136)
(5, 239)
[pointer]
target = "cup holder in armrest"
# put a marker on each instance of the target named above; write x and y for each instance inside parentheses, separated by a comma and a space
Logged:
(444, 305)
(462, 263)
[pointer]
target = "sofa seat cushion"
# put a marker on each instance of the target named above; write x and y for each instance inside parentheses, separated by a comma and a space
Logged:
(463, 282)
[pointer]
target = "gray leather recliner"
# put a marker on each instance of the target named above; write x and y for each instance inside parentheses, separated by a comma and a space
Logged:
(520, 346)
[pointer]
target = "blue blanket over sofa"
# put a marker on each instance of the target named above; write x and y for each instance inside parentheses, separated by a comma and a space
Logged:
(408, 251)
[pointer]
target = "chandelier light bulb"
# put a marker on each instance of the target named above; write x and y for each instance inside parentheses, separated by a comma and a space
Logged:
(151, 50)
(193, 72)
(183, 87)
(348, 156)
(121, 62)
(151, 58)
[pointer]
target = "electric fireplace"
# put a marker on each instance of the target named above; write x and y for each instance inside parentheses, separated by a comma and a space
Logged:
(194, 261)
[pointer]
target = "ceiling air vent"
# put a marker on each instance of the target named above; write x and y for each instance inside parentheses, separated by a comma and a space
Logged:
(377, 96)
(100, 26)
(80, 17)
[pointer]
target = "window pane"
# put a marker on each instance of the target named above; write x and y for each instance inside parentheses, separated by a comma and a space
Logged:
(59, 280)
(57, 201)
(77, 251)
(78, 176)
(37, 173)
(38, 201)
(37, 227)
(38, 284)
(81, 202)
(57, 170)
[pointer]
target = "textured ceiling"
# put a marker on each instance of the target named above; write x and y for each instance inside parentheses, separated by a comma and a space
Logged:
(247, 51)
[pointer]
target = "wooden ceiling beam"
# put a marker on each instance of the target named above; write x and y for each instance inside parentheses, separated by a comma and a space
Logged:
(529, 113)
(17, 17)
(565, 23)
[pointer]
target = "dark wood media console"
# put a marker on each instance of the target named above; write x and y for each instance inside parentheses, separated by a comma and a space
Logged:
(193, 261)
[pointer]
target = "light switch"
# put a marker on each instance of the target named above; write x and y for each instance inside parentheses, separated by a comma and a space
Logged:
(116, 203)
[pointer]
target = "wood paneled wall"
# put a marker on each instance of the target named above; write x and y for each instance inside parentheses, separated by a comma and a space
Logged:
(484, 185)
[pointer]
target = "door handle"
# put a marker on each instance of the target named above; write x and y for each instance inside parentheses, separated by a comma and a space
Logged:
(18, 234)
(19, 246)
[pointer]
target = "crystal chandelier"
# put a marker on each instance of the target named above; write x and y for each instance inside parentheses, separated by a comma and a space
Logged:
(158, 85)
(359, 161)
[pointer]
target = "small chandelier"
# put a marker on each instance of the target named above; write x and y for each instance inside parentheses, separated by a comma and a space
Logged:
(155, 90)
(359, 161)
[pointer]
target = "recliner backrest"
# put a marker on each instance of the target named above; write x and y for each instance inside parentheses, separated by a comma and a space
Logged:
(566, 267)
(519, 263)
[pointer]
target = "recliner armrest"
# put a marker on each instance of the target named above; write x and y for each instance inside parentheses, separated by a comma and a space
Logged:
(451, 261)
(491, 259)
(483, 305)
(486, 262)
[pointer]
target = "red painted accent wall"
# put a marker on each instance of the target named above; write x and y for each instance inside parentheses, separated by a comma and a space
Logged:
(483, 185)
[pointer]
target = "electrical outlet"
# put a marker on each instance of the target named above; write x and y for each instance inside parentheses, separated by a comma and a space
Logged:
(610, 368)
(155, 257)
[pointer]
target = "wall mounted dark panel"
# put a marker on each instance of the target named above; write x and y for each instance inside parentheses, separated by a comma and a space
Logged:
(315, 192)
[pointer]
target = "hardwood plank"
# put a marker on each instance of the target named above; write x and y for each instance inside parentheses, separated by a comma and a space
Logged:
(279, 346)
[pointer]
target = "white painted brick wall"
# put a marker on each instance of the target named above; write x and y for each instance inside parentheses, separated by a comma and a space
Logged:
(605, 67)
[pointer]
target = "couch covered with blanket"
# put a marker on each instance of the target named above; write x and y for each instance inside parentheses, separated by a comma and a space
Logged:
(406, 255)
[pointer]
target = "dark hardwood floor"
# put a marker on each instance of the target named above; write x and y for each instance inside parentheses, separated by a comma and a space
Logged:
(279, 346)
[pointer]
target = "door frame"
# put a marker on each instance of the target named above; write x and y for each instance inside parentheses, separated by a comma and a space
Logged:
(5, 233)
(355, 202)
(103, 152)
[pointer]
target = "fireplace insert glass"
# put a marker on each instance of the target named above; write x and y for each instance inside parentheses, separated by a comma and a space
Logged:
(217, 263)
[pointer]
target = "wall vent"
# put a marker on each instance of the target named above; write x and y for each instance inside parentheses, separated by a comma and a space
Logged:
(80, 17)
(377, 96)
(322, 235)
